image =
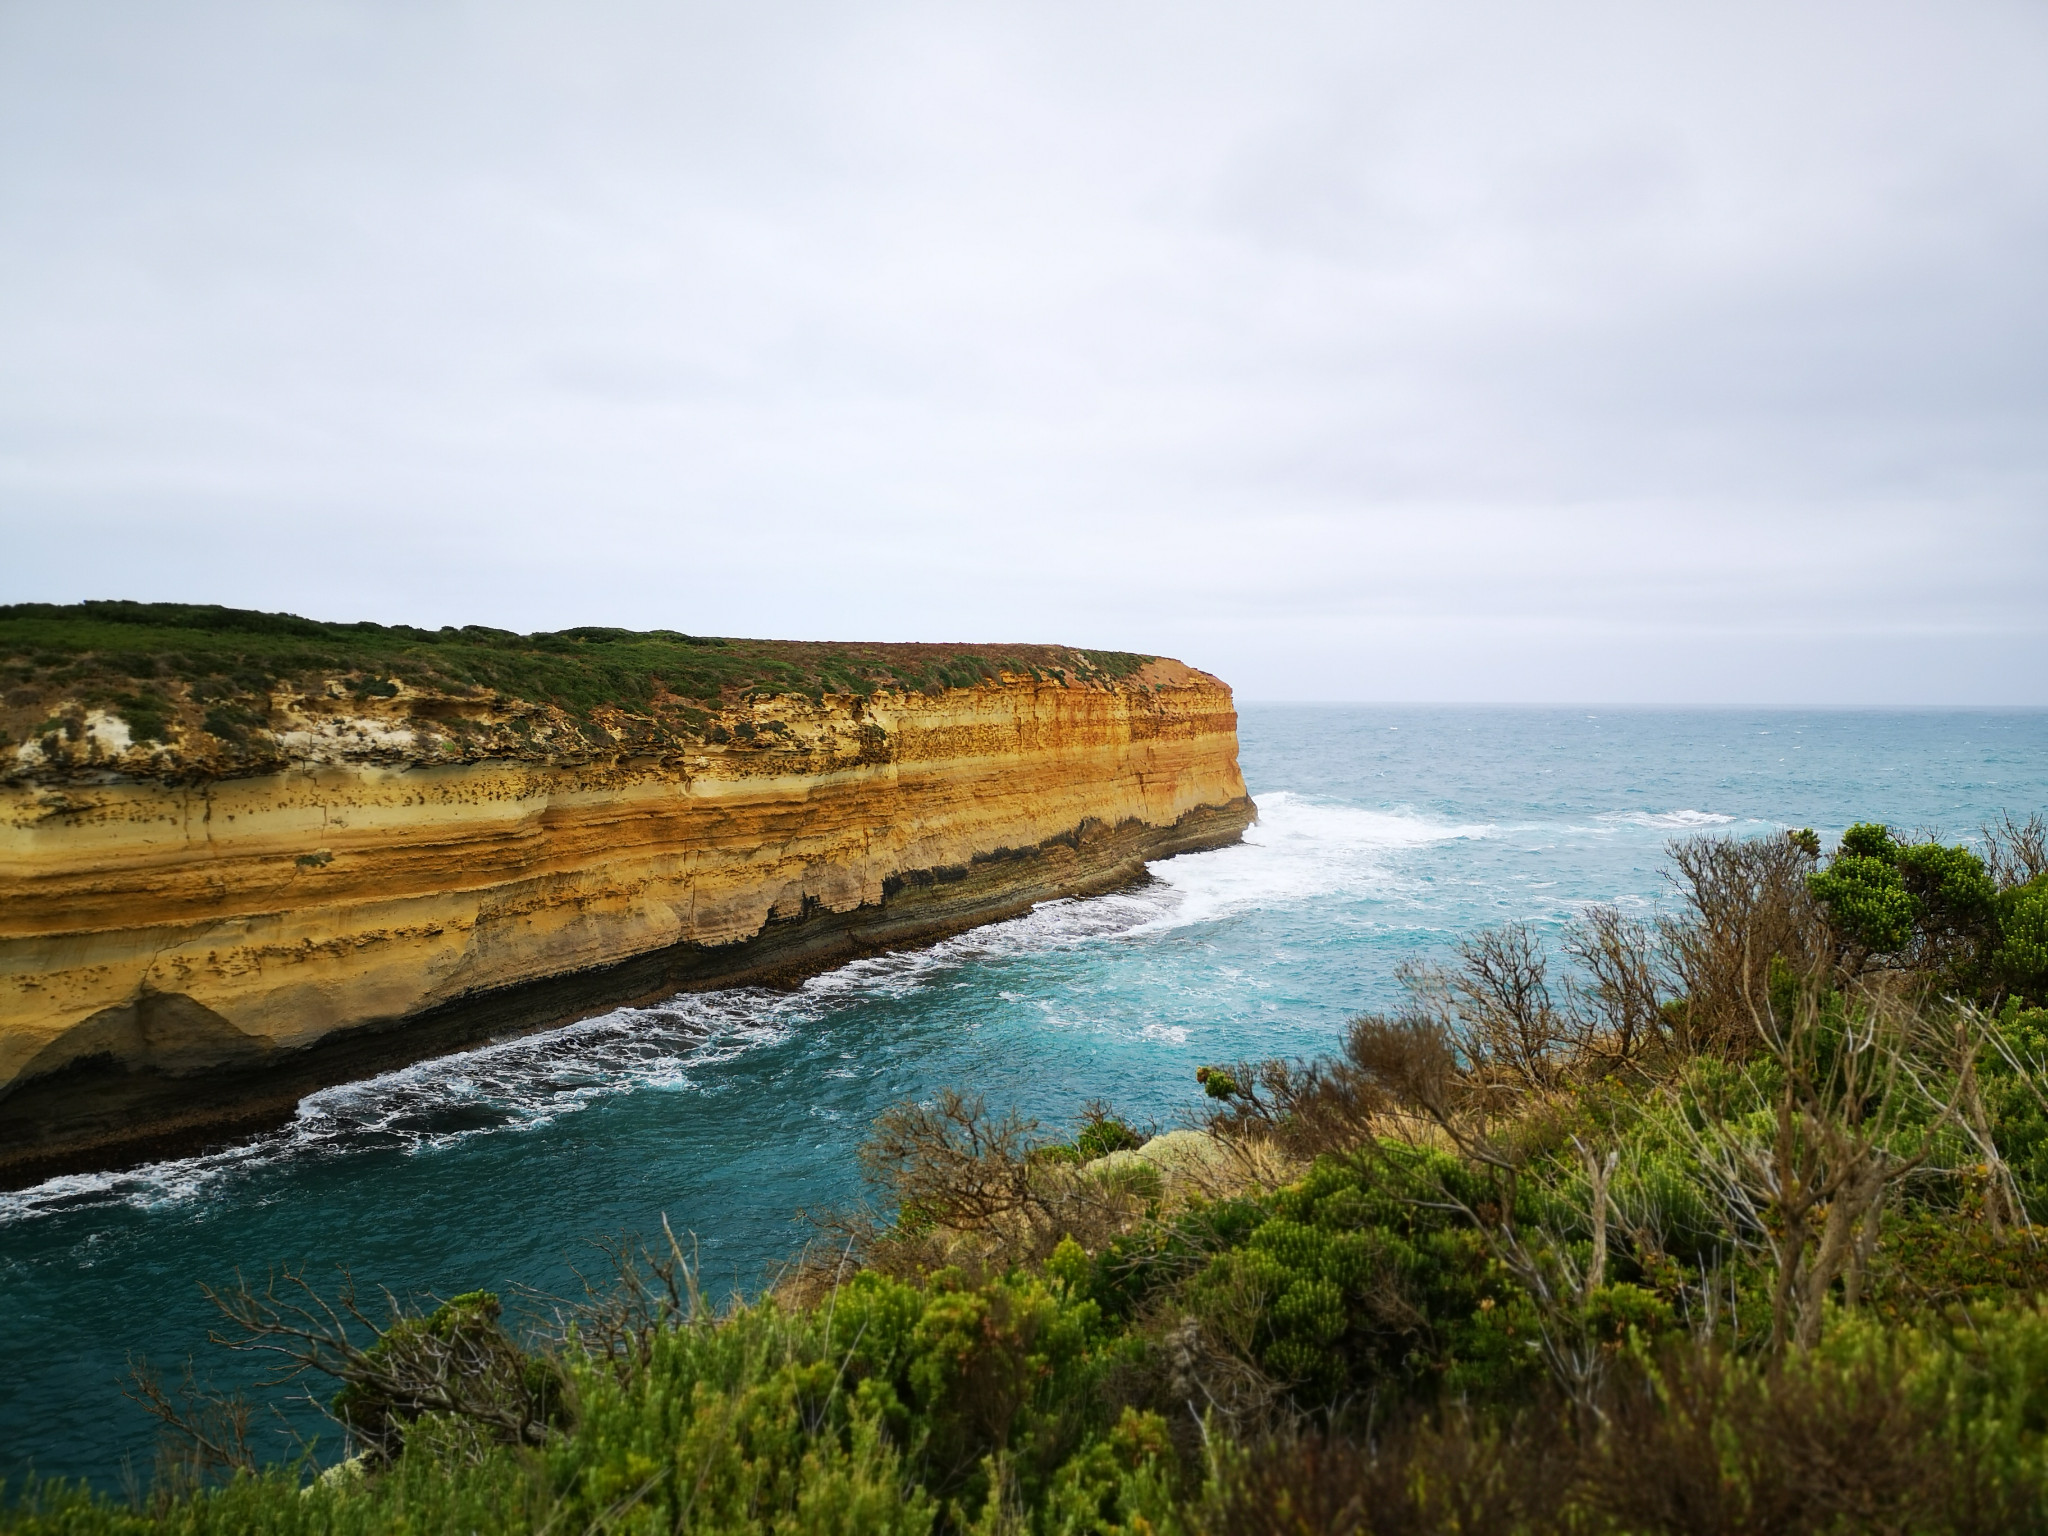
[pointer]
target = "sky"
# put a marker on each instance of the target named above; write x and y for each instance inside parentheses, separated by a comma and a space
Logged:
(1437, 351)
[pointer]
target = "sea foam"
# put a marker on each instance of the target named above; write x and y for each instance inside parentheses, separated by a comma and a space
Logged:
(1301, 849)
(1671, 821)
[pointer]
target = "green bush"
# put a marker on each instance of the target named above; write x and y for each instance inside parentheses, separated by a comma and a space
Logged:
(1865, 897)
(1360, 1278)
(1413, 1334)
(2022, 955)
(1934, 907)
(1101, 1137)
(412, 1366)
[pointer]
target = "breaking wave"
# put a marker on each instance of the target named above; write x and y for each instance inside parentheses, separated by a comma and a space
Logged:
(510, 1085)
(1302, 849)
(1669, 821)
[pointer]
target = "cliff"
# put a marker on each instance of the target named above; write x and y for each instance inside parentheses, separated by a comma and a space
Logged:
(315, 868)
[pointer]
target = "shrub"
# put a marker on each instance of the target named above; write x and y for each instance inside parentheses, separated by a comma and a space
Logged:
(1105, 1134)
(1743, 902)
(2021, 959)
(1359, 1278)
(1928, 906)
(1485, 1282)
(456, 1361)
(1866, 900)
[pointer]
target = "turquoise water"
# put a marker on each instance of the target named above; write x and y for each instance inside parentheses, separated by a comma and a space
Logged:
(1385, 834)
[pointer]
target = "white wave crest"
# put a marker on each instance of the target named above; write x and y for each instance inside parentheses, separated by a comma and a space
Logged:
(1668, 821)
(1064, 923)
(527, 1082)
(510, 1085)
(1301, 849)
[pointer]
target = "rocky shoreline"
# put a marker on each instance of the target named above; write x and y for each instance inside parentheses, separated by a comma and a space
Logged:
(186, 956)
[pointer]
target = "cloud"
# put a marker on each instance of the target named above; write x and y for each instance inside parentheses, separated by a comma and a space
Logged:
(1463, 351)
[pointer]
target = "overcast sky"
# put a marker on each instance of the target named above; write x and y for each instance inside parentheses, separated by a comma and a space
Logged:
(1627, 352)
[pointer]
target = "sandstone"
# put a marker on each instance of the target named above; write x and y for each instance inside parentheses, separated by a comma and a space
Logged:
(186, 953)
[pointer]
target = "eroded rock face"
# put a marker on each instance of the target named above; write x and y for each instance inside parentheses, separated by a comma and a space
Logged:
(185, 955)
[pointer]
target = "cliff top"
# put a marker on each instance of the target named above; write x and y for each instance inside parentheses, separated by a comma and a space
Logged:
(87, 686)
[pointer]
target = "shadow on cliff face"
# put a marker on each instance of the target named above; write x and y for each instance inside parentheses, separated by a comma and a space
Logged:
(157, 1032)
(162, 1060)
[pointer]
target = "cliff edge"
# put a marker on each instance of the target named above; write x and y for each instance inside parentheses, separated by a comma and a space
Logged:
(243, 856)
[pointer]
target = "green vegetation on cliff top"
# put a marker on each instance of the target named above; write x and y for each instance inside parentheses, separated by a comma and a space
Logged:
(577, 669)
(170, 669)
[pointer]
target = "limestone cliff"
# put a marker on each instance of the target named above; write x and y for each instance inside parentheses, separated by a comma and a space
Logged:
(194, 933)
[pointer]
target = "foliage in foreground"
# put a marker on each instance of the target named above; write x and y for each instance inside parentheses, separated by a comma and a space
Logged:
(1732, 1233)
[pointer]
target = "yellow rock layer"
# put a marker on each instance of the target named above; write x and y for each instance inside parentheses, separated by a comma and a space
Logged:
(183, 931)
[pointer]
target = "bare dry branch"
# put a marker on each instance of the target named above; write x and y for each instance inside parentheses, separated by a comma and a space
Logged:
(1745, 901)
(1617, 1012)
(455, 1361)
(952, 1161)
(1866, 1086)
(2016, 852)
(204, 1432)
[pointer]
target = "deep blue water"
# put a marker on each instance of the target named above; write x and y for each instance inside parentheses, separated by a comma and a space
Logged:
(1386, 833)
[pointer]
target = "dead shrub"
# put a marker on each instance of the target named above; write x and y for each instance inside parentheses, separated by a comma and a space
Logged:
(203, 1433)
(1744, 902)
(1303, 1108)
(1619, 1007)
(2016, 852)
(1866, 1087)
(1412, 1061)
(643, 1292)
(1477, 1037)
(978, 1191)
(453, 1363)
(1495, 1003)
(953, 1163)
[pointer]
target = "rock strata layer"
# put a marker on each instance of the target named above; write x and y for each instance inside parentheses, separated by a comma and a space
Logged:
(185, 956)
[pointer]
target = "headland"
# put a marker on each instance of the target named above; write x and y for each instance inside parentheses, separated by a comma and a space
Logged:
(246, 855)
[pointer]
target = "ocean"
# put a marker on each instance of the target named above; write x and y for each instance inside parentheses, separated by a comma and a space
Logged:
(1385, 834)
